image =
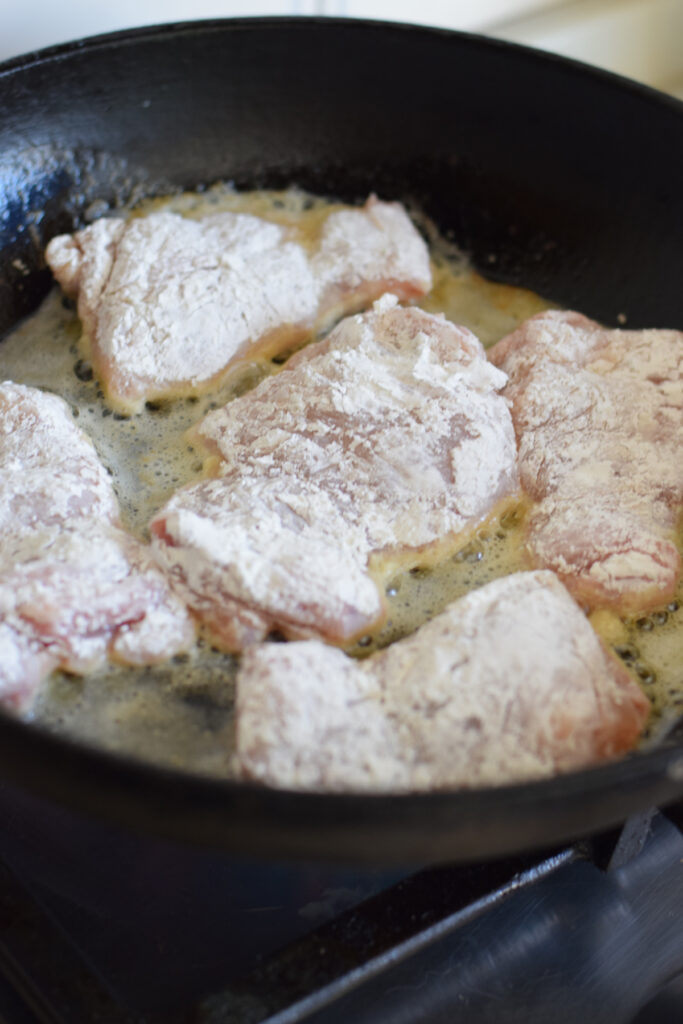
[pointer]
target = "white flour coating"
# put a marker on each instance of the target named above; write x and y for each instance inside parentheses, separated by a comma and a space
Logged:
(599, 421)
(169, 303)
(509, 683)
(24, 664)
(39, 445)
(387, 436)
(73, 585)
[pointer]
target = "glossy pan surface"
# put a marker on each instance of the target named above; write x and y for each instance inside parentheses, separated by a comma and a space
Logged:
(551, 175)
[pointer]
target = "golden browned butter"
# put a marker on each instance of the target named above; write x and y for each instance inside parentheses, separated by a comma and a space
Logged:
(181, 713)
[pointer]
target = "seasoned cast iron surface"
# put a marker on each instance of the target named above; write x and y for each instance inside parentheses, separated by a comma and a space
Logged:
(553, 176)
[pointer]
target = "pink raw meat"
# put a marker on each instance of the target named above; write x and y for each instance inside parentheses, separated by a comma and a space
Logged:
(599, 421)
(74, 587)
(510, 683)
(168, 303)
(388, 437)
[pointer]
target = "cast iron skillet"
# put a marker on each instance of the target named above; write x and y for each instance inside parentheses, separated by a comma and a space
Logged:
(552, 175)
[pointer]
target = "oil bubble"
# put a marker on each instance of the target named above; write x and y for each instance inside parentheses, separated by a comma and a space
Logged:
(83, 370)
(627, 652)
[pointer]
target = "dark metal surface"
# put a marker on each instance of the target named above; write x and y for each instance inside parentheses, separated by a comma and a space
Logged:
(162, 923)
(42, 978)
(558, 177)
(554, 938)
(562, 941)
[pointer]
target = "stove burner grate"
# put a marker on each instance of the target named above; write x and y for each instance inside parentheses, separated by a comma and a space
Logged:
(584, 935)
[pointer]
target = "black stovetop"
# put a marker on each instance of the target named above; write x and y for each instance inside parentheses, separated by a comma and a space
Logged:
(588, 934)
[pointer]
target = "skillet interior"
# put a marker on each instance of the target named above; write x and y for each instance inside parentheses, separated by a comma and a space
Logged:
(559, 178)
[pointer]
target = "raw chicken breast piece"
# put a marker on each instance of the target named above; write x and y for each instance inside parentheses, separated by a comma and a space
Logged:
(510, 683)
(386, 438)
(599, 421)
(169, 304)
(73, 585)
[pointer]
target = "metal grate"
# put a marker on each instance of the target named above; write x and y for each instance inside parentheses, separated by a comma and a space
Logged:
(586, 934)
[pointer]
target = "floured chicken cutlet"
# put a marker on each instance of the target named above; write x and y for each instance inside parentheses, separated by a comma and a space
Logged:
(73, 585)
(169, 304)
(385, 438)
(599, 421)
(510, 683)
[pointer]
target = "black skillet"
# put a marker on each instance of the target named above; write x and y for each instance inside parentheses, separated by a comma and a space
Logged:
(551, 175)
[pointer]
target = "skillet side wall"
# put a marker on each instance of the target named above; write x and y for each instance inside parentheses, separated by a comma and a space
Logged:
(565, 180)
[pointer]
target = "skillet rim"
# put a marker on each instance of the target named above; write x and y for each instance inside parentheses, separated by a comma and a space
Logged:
(282, 823)
(65, 50)
(242, 817)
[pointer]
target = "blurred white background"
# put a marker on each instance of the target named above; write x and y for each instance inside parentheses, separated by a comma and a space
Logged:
(638, 38)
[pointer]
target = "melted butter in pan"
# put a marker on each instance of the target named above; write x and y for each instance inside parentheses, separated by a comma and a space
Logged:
(494, 549)
(181, 714)
(651, 648)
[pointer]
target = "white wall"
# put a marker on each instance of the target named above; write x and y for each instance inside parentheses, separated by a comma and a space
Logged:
(642, 39)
